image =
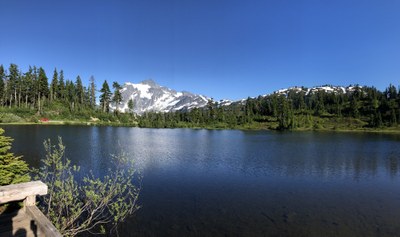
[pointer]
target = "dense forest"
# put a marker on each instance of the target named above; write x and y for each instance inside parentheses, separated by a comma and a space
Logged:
(29, 96)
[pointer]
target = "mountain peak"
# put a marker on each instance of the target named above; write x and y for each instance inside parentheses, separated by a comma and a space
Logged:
(149, 82)
(149, 96)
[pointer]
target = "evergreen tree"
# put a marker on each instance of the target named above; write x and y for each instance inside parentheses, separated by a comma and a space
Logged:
(92, 87)
(105, 97)
(27, 88)
(284, 114)
(393, 118)
(34, 87)
(54, 86)
(80, 92)
(117, 98)
(12, 168)
(43, 83)
(43, 88)
(130, 105)
(61, 86)
(12, 84)
(2, 85)
(70, 94)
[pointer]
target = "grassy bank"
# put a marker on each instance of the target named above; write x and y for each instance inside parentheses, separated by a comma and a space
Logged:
(20, 116)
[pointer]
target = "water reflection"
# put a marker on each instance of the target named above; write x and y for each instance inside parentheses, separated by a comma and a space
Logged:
(322, 155)
(243, 183)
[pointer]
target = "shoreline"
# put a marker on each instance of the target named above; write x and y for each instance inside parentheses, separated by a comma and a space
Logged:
(244, 128)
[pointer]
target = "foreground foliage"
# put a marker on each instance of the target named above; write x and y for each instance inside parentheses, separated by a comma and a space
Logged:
(12, 168)
(93, 204)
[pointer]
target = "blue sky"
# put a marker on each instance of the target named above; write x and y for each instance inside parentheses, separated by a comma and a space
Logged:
(223, 49)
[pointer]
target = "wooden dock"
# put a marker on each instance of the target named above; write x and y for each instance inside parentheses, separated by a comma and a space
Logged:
(29, 220)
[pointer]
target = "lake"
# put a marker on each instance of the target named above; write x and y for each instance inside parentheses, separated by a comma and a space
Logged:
(243, 183)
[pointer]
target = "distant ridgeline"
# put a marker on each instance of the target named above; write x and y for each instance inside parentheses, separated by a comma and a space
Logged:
(29, 97)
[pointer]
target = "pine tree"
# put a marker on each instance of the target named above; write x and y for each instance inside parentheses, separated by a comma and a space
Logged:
(105, 97)
(12, 168)
(393, 118)
(92, 92)
(27, 87)
(43, 88)
(130, 105)
(12, 84)
(117, 98)
(80, 92)
(70, 94)
(33, 94)
(54, 86)
(61, 86)
(2, 85)
(43, 83)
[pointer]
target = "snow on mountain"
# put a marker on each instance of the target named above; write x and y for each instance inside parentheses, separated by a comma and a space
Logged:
(326, 88)
(149, 96)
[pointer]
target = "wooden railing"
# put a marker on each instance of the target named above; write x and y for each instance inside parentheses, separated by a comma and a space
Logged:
(27, 192)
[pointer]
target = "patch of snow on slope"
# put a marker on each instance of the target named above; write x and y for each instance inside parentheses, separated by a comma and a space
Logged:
(203, 98)
(165, 101)
(143, 90)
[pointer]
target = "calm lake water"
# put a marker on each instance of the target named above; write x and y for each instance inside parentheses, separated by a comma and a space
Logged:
(243, 183)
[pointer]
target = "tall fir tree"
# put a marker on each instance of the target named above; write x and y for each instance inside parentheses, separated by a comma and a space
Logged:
(92, 87)
(105, 97)
(43, 83)
(2, 84)
(80, 92)
(61, 86)
(130, 105)
(70, 94)
(43, 88)
(54, 86)
(27, 87)
(12, 84)
(117, 98)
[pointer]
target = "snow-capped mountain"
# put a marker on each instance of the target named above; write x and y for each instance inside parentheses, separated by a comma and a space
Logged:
(149, 96)
(326, 88)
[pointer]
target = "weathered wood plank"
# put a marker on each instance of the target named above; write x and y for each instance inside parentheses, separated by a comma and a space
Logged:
(18, 224)
(17, 192)
(42, 222)
(30, 201)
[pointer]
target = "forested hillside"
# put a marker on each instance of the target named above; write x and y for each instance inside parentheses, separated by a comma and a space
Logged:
(30, 96)
(33, 95)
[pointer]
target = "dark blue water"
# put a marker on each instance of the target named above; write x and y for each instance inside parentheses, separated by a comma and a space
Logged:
(243, 183)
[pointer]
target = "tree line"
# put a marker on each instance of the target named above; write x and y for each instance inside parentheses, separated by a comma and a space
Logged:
(296, 109)
(34, 90)
(367, 106)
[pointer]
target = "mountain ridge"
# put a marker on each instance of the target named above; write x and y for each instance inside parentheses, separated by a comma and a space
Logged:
(148, 96)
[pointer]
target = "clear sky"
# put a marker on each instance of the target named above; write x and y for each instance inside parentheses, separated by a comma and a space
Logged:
(220, 48)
